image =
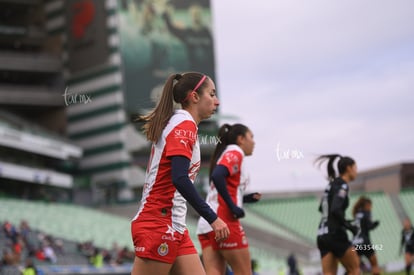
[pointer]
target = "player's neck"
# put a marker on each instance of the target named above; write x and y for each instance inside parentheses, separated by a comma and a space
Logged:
(346, 178)
(193, 112)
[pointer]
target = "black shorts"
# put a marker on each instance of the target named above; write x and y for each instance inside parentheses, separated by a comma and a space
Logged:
(337, 244)
(365, 252)
(409, 249)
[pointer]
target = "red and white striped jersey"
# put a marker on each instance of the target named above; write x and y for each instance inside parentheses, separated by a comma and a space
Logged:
(236, 184)
(160, 199)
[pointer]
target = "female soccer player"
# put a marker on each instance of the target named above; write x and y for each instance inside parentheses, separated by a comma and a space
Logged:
(332, 238)
(229, 181)
(362, 242)
(161, 240)
(407, 240)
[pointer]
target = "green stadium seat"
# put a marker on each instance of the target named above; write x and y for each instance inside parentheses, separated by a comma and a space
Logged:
(407, 200)
(297, 215)
(255, 220)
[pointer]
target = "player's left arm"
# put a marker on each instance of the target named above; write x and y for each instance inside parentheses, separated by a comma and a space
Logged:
(181, 181)
(337, 211)
(369, 223)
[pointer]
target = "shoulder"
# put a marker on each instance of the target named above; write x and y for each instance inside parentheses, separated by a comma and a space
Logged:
(232, 159)
(181, 125)
(183, 118)
(340, 187)
(340, 184)
(359, 214)
(233, 153)
(365, 214)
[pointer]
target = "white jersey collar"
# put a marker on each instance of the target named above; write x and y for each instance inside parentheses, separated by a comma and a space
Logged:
(186, 114)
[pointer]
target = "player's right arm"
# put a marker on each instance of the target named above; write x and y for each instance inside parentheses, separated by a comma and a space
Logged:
(370, 225)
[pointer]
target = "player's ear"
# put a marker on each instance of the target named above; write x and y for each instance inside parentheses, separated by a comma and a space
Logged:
(194, 96)
(240, 139)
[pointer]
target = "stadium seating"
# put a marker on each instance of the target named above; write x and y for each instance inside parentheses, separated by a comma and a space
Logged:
(292, 218)
(298, 215)
(407, 200)
(254, 220)
(82, 224)
(69, 222)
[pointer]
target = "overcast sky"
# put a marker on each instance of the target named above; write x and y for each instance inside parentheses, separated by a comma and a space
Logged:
(317, 77)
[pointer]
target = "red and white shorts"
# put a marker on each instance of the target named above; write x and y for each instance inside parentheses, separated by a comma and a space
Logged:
(236, 240)
(160, 242)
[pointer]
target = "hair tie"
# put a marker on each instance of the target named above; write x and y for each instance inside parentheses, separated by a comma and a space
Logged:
(178, 76)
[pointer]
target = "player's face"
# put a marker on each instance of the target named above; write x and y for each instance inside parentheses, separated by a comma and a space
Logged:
(352, 171)
(246, 142)
(208, 101)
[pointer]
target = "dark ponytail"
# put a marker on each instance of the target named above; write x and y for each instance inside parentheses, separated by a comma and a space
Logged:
(227, 135)
(176, 88)
(343, 164)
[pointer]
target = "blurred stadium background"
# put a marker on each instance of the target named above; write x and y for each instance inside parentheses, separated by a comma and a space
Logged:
(73, 75)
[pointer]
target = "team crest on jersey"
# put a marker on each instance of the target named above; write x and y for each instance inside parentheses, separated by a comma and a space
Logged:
(235, 168)
(163, 249)
(342, 193)
(231, 157)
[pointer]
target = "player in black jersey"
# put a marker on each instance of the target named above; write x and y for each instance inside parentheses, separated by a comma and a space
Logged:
(407, 240)
(362, 242)
(332, 238)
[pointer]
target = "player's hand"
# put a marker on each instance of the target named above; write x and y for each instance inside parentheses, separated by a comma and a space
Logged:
(220, 229)
(257, 196)
(353, 228)
(237, 212)
(254, 197)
